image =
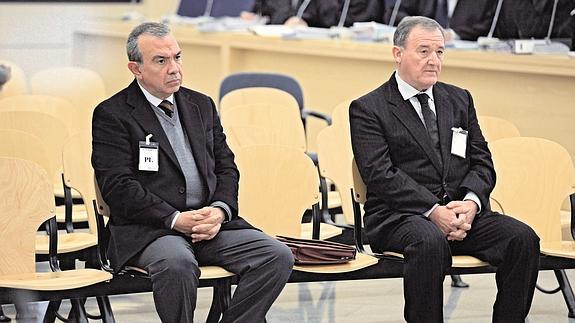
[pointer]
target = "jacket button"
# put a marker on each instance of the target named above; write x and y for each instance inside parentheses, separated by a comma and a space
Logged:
(182, 190)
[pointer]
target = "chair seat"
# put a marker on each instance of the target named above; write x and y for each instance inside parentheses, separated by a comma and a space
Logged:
(79, 213)
(206, 272)
(61, 280)
(456, 261)
(326, 231)
(68, 242)
(565, 249)
(361, 261)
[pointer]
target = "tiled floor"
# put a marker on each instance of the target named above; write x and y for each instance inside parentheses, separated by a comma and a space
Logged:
(356, 301)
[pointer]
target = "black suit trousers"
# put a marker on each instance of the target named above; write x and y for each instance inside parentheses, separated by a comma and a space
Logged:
(504, 242)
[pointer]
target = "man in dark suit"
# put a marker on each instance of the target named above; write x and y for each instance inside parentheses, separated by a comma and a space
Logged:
(337, 13)
(531, 19)
(462, 19)
(163, 166)
(429, 173)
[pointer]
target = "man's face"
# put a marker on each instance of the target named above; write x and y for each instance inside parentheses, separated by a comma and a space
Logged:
(160, 71)
(419, 61)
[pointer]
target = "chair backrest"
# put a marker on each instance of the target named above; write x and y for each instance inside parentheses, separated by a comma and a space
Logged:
(256, 95)
(22, 145)
(277, 185)
(359, 187)
(26, 201)
(494, 128)
(51, 131)
(534, 176)
(78, 172)
(263, 124)
(17, 84)
(335, 157)
(83, 87)
(55, 106)
(278, 81)
(220, 8)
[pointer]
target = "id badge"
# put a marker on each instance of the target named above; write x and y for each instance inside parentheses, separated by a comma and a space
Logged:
(148, 160)
(459, 142)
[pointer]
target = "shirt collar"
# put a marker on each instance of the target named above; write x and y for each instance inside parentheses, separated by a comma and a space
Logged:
(407, 91)
(154, 100)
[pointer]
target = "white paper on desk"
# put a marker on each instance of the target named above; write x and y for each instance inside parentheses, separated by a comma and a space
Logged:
(462, 44)
(271, 30)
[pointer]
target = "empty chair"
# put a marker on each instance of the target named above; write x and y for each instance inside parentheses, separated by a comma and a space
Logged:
(57, 107)
(27, 201)
(17, 83)
(265, 123)
(274, 80)
(534, 176)
(494, 128)
(83, 87)
(269, 124)
(277, 208)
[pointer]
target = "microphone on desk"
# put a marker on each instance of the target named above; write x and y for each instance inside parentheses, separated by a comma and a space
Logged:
(394, 12)
(302, 8)
(208, 10)
(490, 40)
(343, 15)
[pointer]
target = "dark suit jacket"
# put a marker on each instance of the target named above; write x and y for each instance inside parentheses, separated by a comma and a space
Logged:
(277, 10)
(531, 18)
(398, 163)
(326, 13)
(141, 202)
(470, 19)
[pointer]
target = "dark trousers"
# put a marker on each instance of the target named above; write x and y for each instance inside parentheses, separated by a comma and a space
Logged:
(263, 266)
(504, 242)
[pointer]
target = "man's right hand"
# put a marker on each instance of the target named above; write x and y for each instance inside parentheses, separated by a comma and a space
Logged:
(188, 220)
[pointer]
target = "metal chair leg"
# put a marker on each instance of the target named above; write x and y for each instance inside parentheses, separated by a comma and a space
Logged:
(78, 312)
(566, 290)
(457, 282)
(106, 313)
(52, 311)
(220, 300)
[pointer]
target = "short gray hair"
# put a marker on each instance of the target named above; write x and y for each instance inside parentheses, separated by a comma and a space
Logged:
(408, 23)
(152, 28)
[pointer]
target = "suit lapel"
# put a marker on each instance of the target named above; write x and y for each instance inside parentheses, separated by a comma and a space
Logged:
(193, 125)
(148, 120)
(408, 117)
(443, 109)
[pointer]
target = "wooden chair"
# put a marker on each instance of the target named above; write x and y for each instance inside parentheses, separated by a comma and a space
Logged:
(83, 87)
(277, 209)
(17, 84)
(269, 124)
(494, 128)
(57, 107)
(534, 176)
(80, 175)
(359, 192)
(282, 82)
(26, 203)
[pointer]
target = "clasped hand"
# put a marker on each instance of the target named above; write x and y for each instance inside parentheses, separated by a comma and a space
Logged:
(202, 224)
(454, 219)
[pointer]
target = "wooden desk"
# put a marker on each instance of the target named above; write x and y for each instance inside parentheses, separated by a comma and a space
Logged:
(533, 92)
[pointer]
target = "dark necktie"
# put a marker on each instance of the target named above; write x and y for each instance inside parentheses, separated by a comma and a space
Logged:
(430, 121)
(167, 107)
(441, 15)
